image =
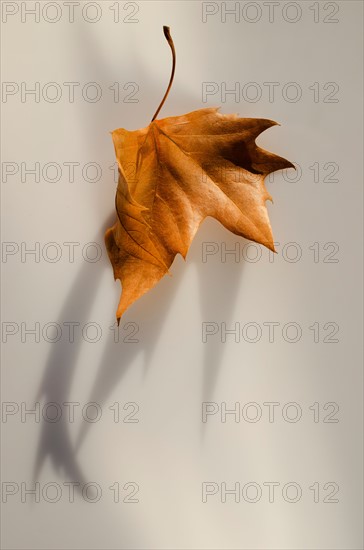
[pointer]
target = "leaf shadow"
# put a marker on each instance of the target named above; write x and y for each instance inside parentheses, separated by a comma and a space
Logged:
(55, 439)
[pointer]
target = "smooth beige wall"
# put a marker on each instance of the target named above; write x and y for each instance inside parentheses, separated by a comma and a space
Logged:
(131, 443)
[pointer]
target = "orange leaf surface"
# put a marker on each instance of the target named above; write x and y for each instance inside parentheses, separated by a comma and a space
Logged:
(175, 173)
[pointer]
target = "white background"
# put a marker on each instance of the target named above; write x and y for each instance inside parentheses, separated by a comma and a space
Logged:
(169, 372)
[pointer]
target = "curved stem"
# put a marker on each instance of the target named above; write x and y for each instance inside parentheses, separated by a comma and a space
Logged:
(167, 34)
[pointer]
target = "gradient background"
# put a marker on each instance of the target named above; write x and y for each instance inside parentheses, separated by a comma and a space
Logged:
(169, 372)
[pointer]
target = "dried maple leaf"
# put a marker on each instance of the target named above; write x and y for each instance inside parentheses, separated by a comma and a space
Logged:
(175, 173)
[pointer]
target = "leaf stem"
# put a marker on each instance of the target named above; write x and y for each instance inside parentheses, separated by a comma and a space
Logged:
(167, 34)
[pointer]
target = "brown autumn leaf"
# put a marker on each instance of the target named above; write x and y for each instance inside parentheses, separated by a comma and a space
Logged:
(172, 175)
